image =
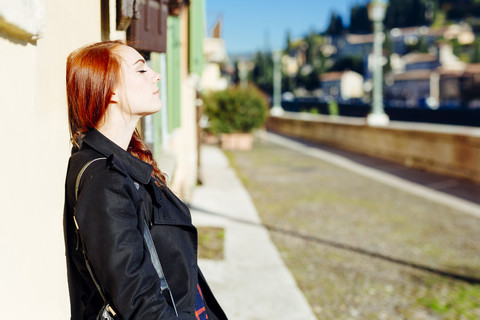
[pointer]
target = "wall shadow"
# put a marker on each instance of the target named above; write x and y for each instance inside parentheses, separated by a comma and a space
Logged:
(345, 247)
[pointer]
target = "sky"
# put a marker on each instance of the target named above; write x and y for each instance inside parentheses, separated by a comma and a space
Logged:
(252, 25)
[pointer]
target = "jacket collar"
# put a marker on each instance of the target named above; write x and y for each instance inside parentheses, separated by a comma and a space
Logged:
(176, 202)
(139, 170)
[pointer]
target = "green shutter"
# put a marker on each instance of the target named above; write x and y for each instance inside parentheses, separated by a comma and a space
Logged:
(196, 35)
(173, 72)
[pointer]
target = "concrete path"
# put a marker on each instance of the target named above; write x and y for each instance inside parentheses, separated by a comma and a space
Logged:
(252, 282)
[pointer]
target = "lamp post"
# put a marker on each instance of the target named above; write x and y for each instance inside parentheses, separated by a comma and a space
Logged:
(243, 74)
(277, 109)
(376, 13)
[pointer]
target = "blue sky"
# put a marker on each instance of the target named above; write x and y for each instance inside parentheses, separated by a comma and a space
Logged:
(252, 25)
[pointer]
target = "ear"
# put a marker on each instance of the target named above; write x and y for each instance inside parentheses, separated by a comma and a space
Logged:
(115, 97)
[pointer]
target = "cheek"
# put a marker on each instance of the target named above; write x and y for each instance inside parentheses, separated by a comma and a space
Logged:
(133, 89)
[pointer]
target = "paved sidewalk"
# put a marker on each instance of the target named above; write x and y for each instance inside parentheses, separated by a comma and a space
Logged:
(252, 282)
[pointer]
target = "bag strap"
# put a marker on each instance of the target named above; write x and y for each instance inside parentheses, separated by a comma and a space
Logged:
(87, 263)
(148, 241)
(79, 176)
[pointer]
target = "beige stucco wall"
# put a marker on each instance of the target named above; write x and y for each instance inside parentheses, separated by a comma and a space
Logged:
(35, 143)
(449, 150)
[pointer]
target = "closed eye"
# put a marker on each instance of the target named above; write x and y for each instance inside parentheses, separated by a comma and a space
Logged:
(142, 71)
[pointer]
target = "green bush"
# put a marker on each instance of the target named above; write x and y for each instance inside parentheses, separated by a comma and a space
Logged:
(235, 109)
(333, 108)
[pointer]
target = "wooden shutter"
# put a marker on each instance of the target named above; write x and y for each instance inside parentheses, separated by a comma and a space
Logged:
(149, 31)
(127, 10)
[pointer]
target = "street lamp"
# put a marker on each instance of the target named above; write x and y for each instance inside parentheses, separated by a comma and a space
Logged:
(277, 109)
(376, 13)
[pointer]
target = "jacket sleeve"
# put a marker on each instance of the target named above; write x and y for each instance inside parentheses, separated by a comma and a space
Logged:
(108, 222)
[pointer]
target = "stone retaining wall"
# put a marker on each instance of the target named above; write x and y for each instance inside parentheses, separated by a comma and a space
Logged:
(451, 150)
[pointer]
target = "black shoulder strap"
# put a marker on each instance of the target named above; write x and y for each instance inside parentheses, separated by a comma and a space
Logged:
(87, 263)
(80, 173)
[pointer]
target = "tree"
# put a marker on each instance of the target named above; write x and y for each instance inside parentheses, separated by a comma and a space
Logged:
(405, 13)
(307, 78)
(288, 46)
(348, 63)
(288, 83)
(236, 75)
(476, 52)
(359, 21)
(460, 9)
(262, 74)
(314, 44)
(315, 61)
(420, 46)
(335, 27)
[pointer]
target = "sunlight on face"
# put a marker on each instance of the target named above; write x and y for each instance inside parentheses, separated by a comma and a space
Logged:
(138, 93)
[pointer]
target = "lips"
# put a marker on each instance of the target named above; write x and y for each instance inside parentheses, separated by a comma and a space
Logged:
(156, 92)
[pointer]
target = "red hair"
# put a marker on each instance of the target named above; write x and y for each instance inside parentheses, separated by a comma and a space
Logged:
(93, 72)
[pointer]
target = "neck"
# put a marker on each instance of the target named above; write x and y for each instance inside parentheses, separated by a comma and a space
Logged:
(118, 129)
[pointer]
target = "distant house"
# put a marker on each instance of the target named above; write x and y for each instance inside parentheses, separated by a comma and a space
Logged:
(450, 87)
(358, 45)
(448, 60)
(463, 33)
(460, 87)
(410, 89)
(470, 94)
(215, 55)
(402, 38)
(434, 79)
(290, 65)
(441, 87)
(342, 86)
(420, 61)
(428, 79)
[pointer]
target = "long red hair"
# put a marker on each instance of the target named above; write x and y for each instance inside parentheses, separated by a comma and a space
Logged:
(93, 72)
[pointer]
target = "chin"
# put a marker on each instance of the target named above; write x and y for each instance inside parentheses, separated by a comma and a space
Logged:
(152, 110)
(158, 108)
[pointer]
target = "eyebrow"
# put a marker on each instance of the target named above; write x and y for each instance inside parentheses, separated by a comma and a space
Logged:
(139, 60)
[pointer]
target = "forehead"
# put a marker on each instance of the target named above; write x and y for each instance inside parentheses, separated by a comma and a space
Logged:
(129, 55)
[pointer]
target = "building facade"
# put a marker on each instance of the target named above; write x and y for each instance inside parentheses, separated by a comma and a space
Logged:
(36, 37)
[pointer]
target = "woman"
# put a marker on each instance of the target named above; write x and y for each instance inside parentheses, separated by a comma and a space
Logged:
(109, 88)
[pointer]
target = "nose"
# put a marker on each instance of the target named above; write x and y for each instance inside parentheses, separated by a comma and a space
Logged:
(156, 77)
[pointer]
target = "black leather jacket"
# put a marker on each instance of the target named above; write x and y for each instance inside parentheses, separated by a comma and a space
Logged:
(114, 196)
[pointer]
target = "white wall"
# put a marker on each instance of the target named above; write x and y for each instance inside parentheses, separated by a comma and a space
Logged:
(35, 149)
(352, 85)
